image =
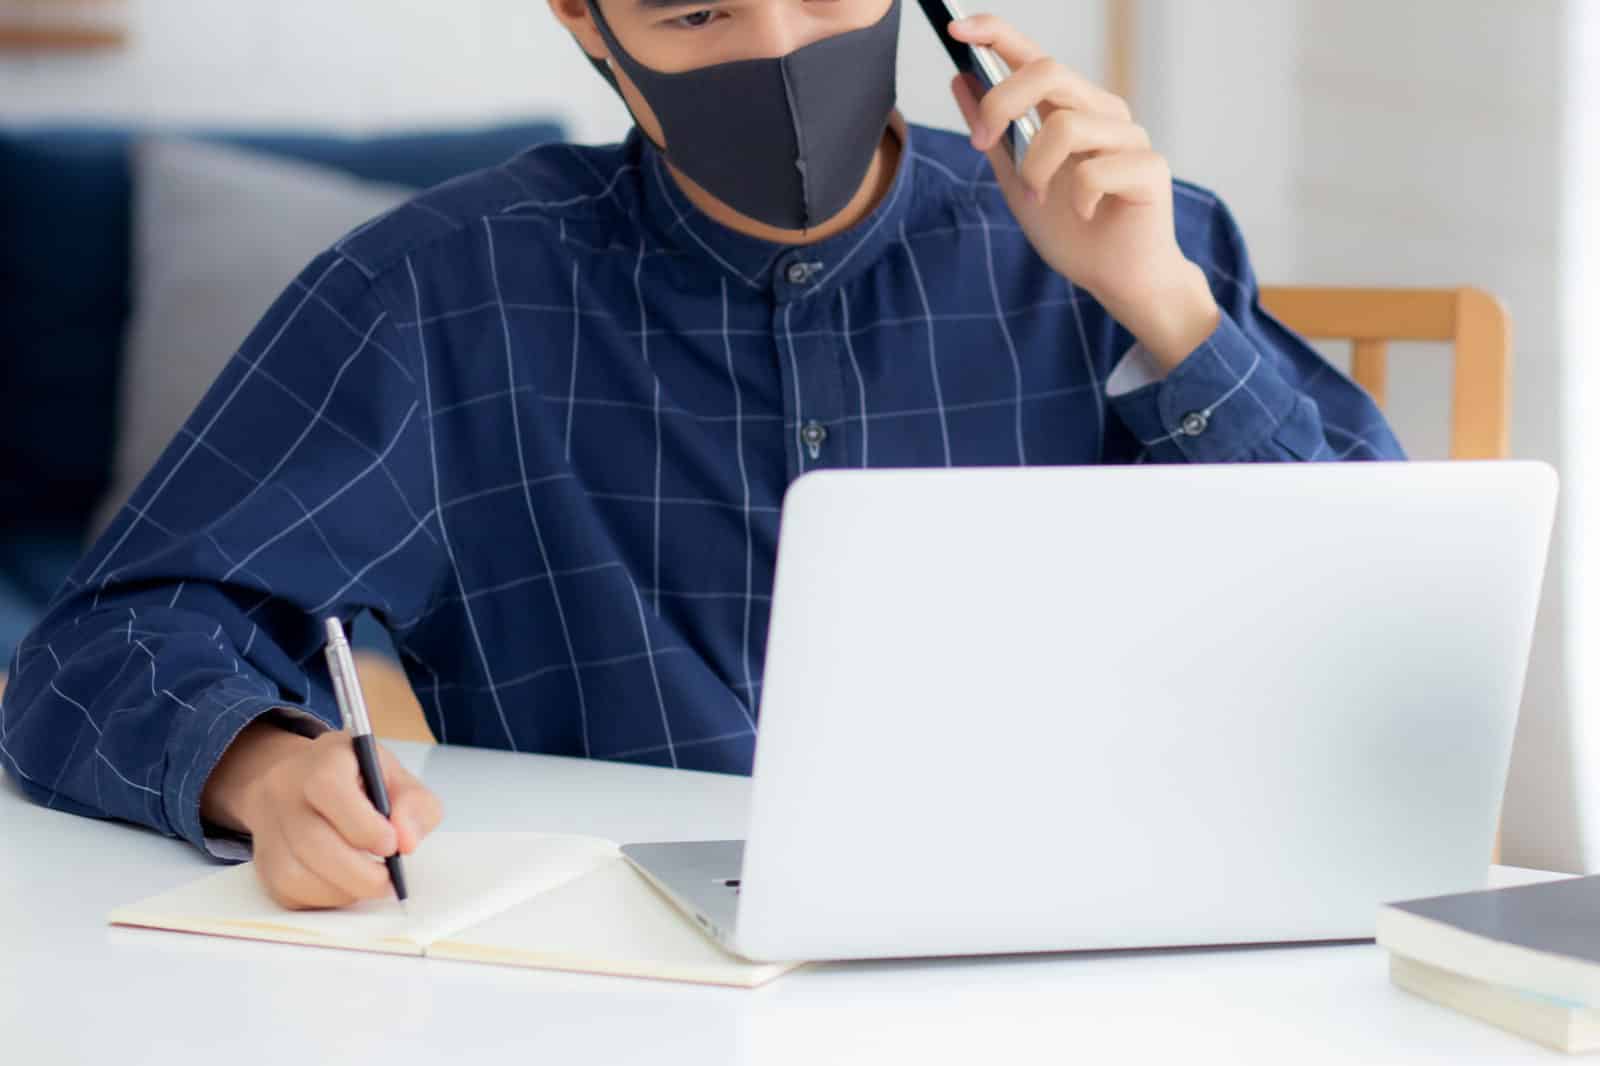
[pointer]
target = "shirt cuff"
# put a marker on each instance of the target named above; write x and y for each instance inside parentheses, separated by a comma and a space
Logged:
(1220, 404)
(199, 744)
(1137, 370)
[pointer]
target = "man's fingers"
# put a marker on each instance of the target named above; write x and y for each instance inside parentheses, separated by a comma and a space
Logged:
(1068, 87)
(1045, 85)
(334, 791)
(1074, 133)
(417, 812)
(966, 89)
(394, 775)
(1134, 177)
(291, 884)
(969, 94)
(325, 853)
(414, 810)
(1013, 46)
(1070, 133)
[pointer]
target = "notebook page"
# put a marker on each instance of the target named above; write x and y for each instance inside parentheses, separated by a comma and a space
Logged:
(465, 878)
(232, 903)
(609, 921)
(456, 880)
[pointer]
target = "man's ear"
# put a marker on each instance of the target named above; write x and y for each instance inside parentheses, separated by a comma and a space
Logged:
(576, 17)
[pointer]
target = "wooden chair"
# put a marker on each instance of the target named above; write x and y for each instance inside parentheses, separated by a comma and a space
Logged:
(1371, 319)
(391, 704)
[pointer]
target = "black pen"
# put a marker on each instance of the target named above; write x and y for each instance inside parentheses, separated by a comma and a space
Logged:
(353, 712)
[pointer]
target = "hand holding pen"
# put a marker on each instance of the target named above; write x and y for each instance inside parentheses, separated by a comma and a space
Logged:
(353, 712)
(312, 826)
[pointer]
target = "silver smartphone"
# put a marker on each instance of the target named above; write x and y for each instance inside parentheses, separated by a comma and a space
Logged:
(985, 65)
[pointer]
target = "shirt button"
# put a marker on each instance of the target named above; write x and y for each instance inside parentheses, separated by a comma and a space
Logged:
(1194, 424)
(815, 434)
(802, 273)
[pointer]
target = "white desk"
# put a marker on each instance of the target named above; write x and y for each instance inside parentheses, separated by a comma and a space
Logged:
(73, 990)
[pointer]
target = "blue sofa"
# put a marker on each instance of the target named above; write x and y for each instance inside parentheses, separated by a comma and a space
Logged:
(65, 266)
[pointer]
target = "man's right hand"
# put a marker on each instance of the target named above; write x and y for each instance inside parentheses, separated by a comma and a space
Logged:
(315, 831)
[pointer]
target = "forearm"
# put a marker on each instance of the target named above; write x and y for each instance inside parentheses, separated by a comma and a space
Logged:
(1171, 318)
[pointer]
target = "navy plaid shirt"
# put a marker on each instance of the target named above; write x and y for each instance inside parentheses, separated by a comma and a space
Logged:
(540, 422)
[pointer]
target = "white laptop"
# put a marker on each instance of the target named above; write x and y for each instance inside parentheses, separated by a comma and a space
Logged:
(1073, 709)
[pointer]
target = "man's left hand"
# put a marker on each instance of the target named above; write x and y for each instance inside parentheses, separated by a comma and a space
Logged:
(1093, 197)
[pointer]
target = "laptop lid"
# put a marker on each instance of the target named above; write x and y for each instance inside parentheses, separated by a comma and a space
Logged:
(1058, 709)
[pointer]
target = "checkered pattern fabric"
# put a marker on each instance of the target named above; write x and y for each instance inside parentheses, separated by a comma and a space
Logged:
(540, 422)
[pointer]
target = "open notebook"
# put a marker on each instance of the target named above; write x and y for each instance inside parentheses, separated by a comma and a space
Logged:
(519, 899)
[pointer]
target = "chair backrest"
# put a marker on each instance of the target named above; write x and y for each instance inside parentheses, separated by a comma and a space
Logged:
(1476, 323)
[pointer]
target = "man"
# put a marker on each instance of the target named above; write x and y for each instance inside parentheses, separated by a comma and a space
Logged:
(540, 422)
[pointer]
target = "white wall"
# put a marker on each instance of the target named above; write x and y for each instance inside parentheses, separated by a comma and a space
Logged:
(359, 64)
(350, 64)
(1213, 87)
(1581, 258)
(1427, 142)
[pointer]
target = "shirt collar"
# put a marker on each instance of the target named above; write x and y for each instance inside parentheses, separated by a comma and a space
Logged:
(784, 271)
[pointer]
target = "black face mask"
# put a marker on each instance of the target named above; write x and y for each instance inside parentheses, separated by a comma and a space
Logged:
(785, 141)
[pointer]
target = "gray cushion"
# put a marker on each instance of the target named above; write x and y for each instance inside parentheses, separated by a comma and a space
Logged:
(219, 232)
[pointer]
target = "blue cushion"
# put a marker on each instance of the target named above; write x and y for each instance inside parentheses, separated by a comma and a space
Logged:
(35, 563)
(65, 207)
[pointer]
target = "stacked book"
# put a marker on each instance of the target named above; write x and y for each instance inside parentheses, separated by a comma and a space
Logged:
(1526, 959)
